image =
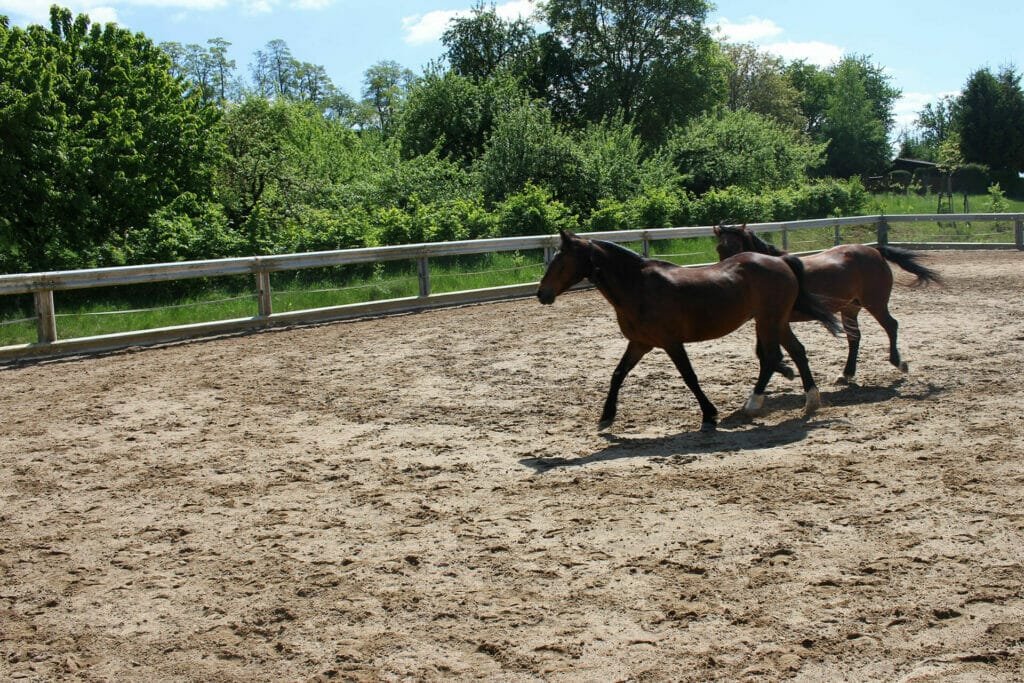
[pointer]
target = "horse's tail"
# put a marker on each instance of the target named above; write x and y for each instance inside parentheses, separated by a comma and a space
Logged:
(808, 303)
(910, 262)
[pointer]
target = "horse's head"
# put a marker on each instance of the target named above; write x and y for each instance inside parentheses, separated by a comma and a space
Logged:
(732, 239)
(570, 265)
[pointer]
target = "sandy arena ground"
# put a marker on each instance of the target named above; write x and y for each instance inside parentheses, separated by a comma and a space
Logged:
(427, 497)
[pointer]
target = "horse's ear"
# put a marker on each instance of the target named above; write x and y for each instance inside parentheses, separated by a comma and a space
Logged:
(718, 230)
(565, 235)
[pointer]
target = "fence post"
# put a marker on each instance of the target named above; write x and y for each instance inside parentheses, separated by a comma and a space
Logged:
(883, 231)
(46, 322)
(263, 292)
(646, 246)
(785, 239)
(838, 237)
(1018, 232)
(423, 269)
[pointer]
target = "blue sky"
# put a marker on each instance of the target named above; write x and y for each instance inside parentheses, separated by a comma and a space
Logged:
(928, 48)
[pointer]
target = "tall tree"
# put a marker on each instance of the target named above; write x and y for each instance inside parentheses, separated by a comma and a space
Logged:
(653, 60)
(479, 45)
(849, 105)
(385, 87)
(274, 70)
(95, 136)
(757, 82)
(207, 69)
(990, 120)
(742, 148)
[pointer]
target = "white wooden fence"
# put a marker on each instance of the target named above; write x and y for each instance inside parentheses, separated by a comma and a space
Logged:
(43, 285)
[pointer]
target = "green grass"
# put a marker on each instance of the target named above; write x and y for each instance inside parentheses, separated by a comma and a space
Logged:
(895, 203)
(113, 310)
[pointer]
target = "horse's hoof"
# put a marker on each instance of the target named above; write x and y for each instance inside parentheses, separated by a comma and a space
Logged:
(812, 401)
(708, 427)
(755, 405)
(844, 380)
(904, 367)
(786, 371)
(605, 424)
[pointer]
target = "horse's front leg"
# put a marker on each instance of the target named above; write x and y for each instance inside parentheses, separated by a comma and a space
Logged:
(708, 410)
(634, 352)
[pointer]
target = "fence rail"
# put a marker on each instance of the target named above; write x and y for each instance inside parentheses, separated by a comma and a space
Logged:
(43, 285)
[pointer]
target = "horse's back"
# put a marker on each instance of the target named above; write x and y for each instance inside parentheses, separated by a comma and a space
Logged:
(704, 302)
(848, 273)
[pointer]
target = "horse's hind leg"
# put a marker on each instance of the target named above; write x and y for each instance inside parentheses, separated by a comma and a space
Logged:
(707, 408)
(852, 329)
(796, 351)
(891, 328)
(634, 352)
(769, 356)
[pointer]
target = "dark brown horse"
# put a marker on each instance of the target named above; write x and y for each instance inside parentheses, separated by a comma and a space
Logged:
(659, 304)
(848, 277)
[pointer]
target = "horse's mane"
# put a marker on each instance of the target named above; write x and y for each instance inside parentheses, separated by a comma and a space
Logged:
(631, 256)
(619, 265)
(751, 242)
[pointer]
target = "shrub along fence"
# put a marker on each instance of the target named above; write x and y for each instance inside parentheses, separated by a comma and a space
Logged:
(922, 231)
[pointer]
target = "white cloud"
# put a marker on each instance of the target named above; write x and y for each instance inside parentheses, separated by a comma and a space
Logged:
(426, 28)
(814, 52)
(311, 4)
(761, 32)
(99, 11)
(750, 30)
(103, 15)
(102, 11)
(420, 29)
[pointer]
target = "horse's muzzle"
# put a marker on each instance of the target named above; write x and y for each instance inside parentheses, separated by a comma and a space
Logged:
(546, 296)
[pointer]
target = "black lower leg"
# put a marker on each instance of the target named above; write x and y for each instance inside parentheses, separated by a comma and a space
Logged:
(634, 352)
(709, 413)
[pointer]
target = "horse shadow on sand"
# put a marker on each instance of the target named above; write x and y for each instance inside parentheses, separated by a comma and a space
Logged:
(736, 431)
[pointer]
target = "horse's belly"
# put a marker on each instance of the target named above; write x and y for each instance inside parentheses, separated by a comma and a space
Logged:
(683, 327)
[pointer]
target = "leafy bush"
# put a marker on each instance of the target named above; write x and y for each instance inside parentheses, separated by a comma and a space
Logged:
(186, 230)
(743, 149)
(533, 212)
(972, 179)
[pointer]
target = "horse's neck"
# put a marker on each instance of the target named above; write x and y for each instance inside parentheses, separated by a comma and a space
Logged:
(755, 243)
(616, 273)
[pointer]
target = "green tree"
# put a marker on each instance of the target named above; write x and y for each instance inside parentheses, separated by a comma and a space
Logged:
(385, 87)
(454, 114)
(96, 135)
(207, 69)
(849, 105)
(934, 124)
(279, 158)
(527, 146)
(990, 120)
(274, 70)
(742, 148)
(653, 60)
(757, 82)
(480, 45)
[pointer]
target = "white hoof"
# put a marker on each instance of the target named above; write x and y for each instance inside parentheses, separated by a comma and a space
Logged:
(754, 404)
(812, 400)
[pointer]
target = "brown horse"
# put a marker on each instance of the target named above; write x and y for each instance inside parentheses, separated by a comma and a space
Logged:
(848, 277)
(659, 304)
